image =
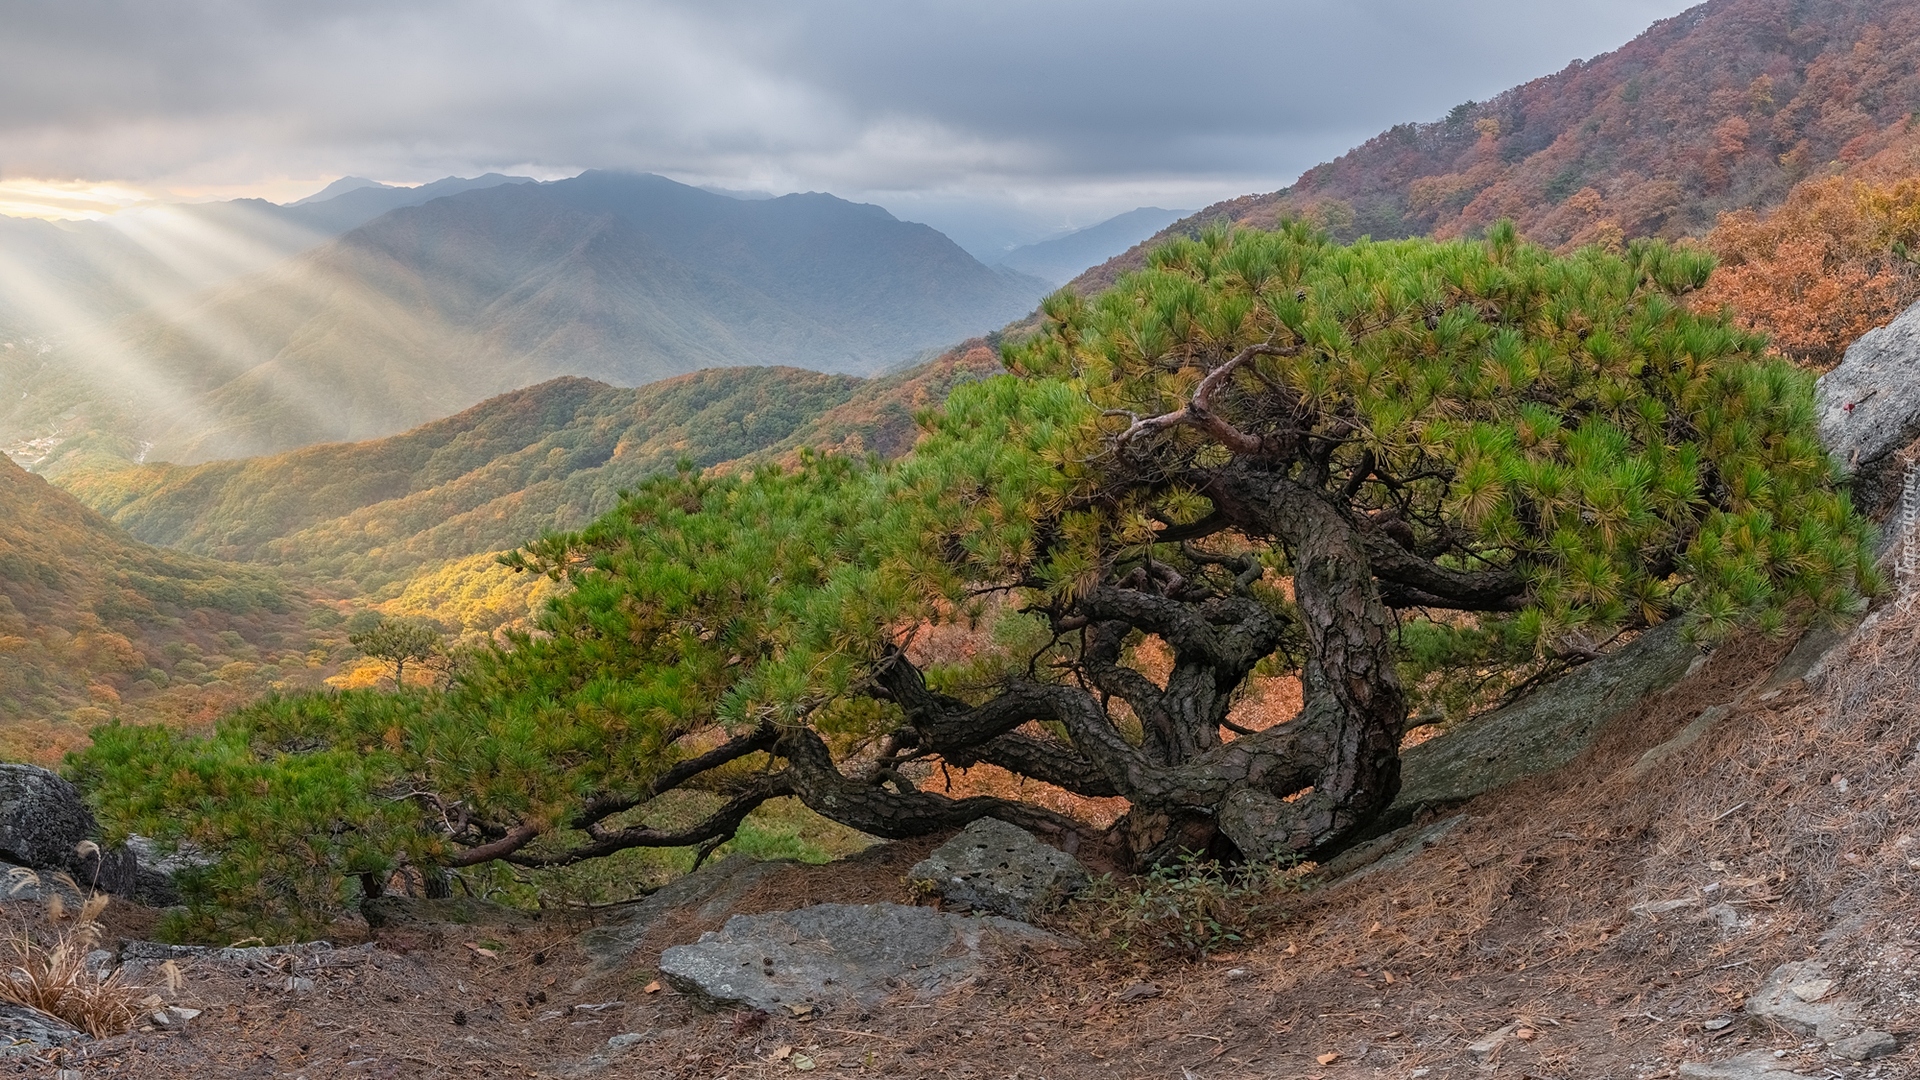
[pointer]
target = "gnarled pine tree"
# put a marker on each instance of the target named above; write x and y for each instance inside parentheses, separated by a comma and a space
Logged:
(1368, 466)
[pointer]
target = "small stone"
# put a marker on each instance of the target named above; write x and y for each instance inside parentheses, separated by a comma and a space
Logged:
(1720, 1023)
(299, 984)
(1866, 1046)
(1726, 915)
(1237, 974)
(1661, 907)
(182, 1014)
(1139, 992)
(1484, 1047)
(1812, 990)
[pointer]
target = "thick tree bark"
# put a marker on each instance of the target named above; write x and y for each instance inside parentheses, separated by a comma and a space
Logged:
(1351, 678)
(904, 813)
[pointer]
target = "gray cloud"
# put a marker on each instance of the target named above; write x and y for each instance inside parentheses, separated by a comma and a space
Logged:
(1051, 110)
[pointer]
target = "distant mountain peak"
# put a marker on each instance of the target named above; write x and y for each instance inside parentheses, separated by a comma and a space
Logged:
(1059, 259)
(340, 187)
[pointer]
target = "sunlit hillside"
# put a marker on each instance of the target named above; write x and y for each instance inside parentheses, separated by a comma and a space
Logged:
(412, 522)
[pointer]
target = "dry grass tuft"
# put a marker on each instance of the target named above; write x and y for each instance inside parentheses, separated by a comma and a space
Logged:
(53, 977)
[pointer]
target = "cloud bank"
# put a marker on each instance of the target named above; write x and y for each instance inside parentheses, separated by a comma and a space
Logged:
(1059, 109)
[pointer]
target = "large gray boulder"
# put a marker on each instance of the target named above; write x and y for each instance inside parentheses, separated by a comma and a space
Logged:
(832, 955)
(42, 819)
(1000, 869)
(1869, 408)
(46, 826)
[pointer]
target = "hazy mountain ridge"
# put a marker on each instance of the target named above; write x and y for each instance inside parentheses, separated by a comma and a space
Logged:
(618, 277)
(1725, 106)
(1061, 259)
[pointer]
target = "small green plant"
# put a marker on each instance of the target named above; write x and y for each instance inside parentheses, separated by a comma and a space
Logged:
(1185, 909)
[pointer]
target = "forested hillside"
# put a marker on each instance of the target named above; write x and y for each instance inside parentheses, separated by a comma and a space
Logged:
(550, 456)
(1724, 107)
(413, 522)
(94, 624)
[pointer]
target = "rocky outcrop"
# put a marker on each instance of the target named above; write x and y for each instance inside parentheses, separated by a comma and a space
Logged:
(708, 892)
(1000, 869)
(46, 826)
(28, 1032)
(1869, 409)
(42, 819)
(1800, 997)
(1542, 731)
(832, 955)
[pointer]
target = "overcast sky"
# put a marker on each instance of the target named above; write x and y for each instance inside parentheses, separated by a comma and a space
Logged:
(974, 115)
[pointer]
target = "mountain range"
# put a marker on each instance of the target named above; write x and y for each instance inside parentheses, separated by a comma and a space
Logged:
(625, 278)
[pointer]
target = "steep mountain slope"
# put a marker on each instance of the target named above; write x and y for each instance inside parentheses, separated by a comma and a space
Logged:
(94, 624)
(618, 277)
(550, 456)
(1723, 107)
(1059, 260)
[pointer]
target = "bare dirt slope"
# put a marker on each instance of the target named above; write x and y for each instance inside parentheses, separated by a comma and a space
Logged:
(1789, 830)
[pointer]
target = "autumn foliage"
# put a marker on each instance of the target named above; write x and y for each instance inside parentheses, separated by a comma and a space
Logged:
(1838, 259)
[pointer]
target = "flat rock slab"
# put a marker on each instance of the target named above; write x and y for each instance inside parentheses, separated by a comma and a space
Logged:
(708, 892)
(1800, 997)
(28, 1032)
(829, 955)
(1395, 849)
(297, 963)
(1758, 1065)
(1001, 869)
(1542, 731)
